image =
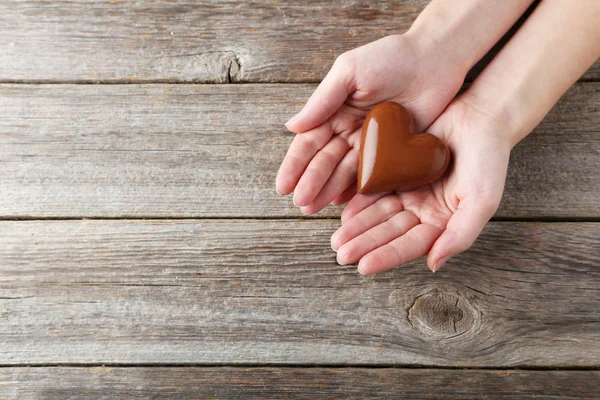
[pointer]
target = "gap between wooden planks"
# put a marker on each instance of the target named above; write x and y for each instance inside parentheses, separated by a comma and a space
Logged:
(196, 151)
(270, 292)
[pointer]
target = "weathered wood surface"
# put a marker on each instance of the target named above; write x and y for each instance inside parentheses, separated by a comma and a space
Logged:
(211, 41)
(201, 41)
(297, 383)
(228, 292)
(213, 151)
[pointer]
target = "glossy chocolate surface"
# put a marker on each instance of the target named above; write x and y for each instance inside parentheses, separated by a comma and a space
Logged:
(393, 157)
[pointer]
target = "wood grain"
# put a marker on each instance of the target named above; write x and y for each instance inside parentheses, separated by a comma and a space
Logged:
(206, 41)
(214, 150)
(209, 41)
(297, 383)
(270, 292)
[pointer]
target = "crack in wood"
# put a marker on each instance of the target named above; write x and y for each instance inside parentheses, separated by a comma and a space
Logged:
(234, 70)
(411, 308)
(454, 320)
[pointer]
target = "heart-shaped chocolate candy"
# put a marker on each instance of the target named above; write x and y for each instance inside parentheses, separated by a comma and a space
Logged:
(393, 157)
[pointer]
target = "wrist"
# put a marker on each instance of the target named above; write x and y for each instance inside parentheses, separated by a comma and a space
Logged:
(460, 33)
(501, 108)
(437, 51)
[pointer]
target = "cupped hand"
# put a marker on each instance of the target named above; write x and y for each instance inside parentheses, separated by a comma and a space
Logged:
(321, 164)
(439, 220)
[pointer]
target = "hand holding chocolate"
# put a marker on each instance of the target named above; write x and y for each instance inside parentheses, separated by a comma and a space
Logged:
(393, 157)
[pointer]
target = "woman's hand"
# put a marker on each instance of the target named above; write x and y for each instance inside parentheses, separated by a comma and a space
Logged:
(321, 164)
(441, 219)
(422, 69)
(508, 99)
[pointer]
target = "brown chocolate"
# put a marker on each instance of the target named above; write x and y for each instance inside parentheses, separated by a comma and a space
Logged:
(393, 157)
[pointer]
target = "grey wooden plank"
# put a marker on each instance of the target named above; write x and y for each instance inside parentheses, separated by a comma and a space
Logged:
(210, 41)
(270, 292)
(298, 383)
(214, 150)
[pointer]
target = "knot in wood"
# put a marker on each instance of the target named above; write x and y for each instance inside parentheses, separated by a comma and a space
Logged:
(444, 314)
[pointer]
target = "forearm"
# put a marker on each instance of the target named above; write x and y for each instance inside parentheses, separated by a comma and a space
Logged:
(554, 47)
(461, 32)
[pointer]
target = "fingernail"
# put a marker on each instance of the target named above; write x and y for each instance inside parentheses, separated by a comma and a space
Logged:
(291, 121)
(334, 243)
(296, 201)
(439, 264)
(361, 269)
(337, 258)
(343, 218)
(305, 210)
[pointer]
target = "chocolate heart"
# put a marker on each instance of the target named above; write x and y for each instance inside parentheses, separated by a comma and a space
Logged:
(393, 157)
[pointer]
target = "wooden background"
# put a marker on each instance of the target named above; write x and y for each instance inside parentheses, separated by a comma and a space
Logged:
(144, 251)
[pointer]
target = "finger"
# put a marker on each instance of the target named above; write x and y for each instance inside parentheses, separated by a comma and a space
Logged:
(359, 203)
(346, 196)
(370, 217)
(410, 246)
(319, 170)
(301, 151)
(327, 98)
(343, 176)
(461, 231)
(376, 237)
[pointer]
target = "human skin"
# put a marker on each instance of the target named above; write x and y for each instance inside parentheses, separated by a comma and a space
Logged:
(555, 46)
(423, 70)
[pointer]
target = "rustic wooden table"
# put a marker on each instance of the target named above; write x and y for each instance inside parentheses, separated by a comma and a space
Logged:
(144, 251)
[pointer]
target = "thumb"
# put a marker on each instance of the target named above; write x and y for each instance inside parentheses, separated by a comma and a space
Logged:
(328, 97)
(462, 229)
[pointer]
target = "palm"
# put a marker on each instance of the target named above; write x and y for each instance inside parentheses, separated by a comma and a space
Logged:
(322, 161)
(441, 219)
